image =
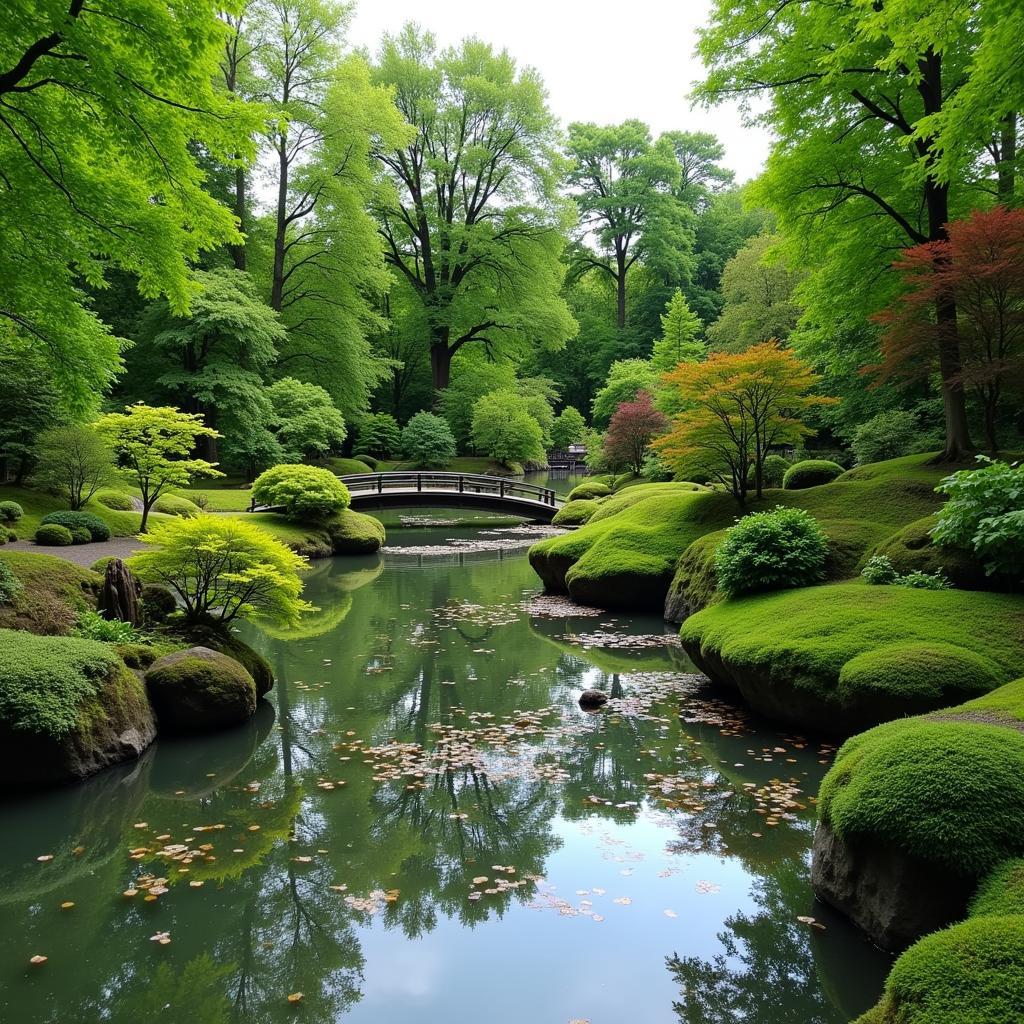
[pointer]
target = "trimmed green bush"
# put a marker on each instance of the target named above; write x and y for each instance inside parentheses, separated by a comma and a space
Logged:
(589, 489)
(199, 689)
(54, 535)
(786, 651)
(98, 530)
(10, 511)
(175, 505)
(10, 585)
(80, 535)
(773, 470)
(305, 492)
(773, 550)
(971, 973)
(947, 793)
(118, 501)
(369, 461)
(811, 473)
(353, 533)
(575, 512)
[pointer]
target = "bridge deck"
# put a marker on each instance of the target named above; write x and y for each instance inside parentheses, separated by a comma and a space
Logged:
(458, 490)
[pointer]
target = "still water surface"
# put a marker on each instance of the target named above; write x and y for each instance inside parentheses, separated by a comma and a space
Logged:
(422, 825)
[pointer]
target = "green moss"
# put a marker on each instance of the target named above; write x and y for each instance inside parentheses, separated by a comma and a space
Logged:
(353, 533)
(37, 505)
(971, 973)
(46, 681)
(1006, 702)
(912, 550)
(811, 473)
(576, 512)
(1002, 892)
(927, 467)
(220, 499)
(790, 648)
(590, 489)
(199, 689)
(116, 501)
(348, 467)
(947, 793)
(226, 642)
(53, 592)
(175, 505)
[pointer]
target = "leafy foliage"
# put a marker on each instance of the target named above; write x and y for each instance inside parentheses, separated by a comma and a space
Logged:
(887, 435)
(94, 626)
(307, 422)
(74, 462)
(737, 406)
(10, 511)
(427, 441)
(985, 514)
(569, 427)
(153, 447)
(634, 425)
(626, 379)
(222, 568)
(504, 429)
(10, 585)
(54, 535)
(306, 492)
(879, 571)
(105, 110)
(379, 435)
(773, 550)
(680, 329)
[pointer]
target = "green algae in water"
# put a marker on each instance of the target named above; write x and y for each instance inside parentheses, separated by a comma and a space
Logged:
(423, 825)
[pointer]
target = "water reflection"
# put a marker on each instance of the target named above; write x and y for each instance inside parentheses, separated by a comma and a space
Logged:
(425, 825)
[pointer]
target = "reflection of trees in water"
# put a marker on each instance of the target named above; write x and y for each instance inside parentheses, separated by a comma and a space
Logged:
(766, 972)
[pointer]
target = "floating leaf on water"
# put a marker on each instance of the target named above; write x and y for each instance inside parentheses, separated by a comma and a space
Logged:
(44, 858)
(38, 959)
(296, 997)
(67, 905)
(161, 937)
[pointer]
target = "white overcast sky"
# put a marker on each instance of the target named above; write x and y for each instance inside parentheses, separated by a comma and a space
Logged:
(601, 61)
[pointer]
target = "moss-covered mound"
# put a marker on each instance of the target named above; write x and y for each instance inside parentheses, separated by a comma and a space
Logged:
(225, 642)
(1002, 892)
(626, 554)
(912, 550)
(786, 652)
(590, 489)
(349, 467)
(52, 593)
(576, 512)
(176, 505)
(695, 583)
(198, 689)
(972, 973)
(353, 533)
(68, 707)
(811, 473)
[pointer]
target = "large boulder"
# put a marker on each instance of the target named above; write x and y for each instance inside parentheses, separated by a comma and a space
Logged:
(68, 708)
(198, 690)
(229, 643)
(353, 533)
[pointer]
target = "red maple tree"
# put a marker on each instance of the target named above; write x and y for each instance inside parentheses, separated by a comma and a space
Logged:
(981, 267)
(632, 428)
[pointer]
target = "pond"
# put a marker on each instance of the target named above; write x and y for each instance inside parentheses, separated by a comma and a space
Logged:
(423, 825)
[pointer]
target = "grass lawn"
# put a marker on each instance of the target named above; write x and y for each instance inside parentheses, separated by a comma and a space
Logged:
(38, 504)
(219, 499)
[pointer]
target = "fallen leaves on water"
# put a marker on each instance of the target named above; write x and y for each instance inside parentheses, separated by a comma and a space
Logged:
(45, 858)
(296, 997)
(811, 922)
(163, 938)
(67, 905)
(38, 959)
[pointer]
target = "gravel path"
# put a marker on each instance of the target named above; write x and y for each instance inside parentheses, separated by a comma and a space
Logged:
(81, 554)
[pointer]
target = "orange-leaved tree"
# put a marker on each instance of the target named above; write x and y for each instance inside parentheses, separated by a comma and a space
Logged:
(737, 406)
(980, 266)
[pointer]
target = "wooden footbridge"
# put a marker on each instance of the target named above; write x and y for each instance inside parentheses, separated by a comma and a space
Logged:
(449, 490)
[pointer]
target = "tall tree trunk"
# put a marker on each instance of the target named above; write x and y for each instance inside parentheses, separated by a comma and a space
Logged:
(936, 196)
(440, 361)
(238, 251)
(277, 286)
(1007, 159)
(620, 290)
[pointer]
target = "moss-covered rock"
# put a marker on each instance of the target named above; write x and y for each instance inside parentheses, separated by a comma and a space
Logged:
(971, 973)
(353, 533)
(912, 550)
(53, 592)
(229, 643)
(786, 652)
(590, 489)
(576, 512)
(198, 690)
(68, 708)
(695, 583)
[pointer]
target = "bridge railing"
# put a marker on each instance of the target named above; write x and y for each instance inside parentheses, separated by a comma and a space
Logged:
(461, 483)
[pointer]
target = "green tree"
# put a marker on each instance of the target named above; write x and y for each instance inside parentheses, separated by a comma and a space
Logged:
(701, 174)
(216, 359)
(504, 429)
(307, 493)
(29, 403)
(427, 441)
(872, 153)
(102, 109)
(379, 435)
(308, 425)
(473, 220)
(569, 428)
(473, 376)
(680, 328)
(625, 188)
(626, 379)
(758, 293)
(222, 568)
(153, 447)
(74, 462)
